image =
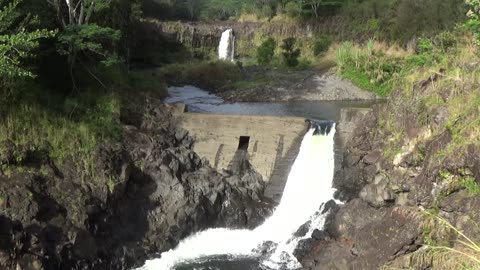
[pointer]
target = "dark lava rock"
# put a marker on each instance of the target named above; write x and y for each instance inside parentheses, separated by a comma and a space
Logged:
(321, 235)
(148, 193)
(303, 248)
(303, 230)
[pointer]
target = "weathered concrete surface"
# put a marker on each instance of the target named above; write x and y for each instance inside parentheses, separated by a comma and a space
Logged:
(273, 142)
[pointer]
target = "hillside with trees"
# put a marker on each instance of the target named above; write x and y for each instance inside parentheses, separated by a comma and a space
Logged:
(84, 137)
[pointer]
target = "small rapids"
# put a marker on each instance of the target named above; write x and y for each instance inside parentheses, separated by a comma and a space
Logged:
(271, 245)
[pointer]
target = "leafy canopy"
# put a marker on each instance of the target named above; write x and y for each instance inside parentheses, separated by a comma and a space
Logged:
(16, 43)
(473, 24)
(266, 51)
(90, 38)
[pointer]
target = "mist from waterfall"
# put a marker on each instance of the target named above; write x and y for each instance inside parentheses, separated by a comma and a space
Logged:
(226, 48)
(308, 187)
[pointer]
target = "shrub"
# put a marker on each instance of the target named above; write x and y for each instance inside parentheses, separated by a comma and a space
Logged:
(266, 51)
(293, 9)
(425, 45)
(446, 41)
(290, 53)
(266, 12)
(373, 25)
(321, 45)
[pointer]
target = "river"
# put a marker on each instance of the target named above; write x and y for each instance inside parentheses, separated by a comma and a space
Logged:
(198, 100)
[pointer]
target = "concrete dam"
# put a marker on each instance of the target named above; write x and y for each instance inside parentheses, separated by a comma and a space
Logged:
(272, 143)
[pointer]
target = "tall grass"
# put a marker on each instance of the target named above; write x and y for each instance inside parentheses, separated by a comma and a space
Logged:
(369, 69)
(462, 253)
(73, 131)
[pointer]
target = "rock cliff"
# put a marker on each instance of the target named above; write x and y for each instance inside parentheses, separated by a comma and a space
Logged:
(149, 191)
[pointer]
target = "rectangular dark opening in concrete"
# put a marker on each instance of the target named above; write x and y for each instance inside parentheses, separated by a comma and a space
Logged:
(243, 143)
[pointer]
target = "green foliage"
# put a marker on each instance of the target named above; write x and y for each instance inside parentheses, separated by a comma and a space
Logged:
(290, 53)
(373, 24)
(473, 23)
(266, 12)
(425, 45)
(221, 9)
(367, 68)
(321, 45)
(72, 129)
(293, 9)
(446, 41)
(471, 185)
(16, 46)
(90, 38)
(432, 51)
(266, 51)
(403, 20)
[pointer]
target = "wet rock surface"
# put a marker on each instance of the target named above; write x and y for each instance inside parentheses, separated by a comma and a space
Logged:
(149, 191)
(382, 222)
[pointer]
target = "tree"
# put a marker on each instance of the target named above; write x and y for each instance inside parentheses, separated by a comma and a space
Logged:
(16, 43)
(193, 7)
(81, 37)
(266, 51)
(293, 9)
(290, 54)
(314, 5)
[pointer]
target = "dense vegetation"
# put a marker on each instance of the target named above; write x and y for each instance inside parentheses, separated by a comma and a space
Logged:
(392, 19)
(63, 76)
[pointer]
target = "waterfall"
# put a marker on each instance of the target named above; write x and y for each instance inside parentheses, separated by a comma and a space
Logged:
(308, 187)
(226, 48)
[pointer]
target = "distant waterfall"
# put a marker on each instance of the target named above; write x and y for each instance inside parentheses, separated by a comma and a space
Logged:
(226, 48)
(308, 187)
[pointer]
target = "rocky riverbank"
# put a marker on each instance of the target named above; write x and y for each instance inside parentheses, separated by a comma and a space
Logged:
(282, 86)
(149, 191)
(393, 205)
(235, 83)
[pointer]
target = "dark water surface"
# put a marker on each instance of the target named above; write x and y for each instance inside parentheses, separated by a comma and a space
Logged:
(198, 100)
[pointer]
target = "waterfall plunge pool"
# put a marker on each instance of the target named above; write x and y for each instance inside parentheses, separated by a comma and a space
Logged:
(271, 245)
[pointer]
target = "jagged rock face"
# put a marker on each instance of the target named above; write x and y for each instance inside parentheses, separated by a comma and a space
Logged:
(381, 222)
(156, 191)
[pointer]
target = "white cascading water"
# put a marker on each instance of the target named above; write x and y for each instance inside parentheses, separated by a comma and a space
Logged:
(226, 48)
(307, 188)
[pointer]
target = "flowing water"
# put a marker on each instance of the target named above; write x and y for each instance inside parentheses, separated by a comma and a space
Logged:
(226, 48)
(198, 100)
(271, 245)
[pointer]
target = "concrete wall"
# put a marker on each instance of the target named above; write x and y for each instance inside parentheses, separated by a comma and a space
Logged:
(273, 146)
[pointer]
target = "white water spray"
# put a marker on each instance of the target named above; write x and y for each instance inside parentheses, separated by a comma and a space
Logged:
(226, 48)
(308, 187)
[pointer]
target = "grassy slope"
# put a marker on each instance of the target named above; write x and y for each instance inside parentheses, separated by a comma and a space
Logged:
(435, 90)
(46, 123)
